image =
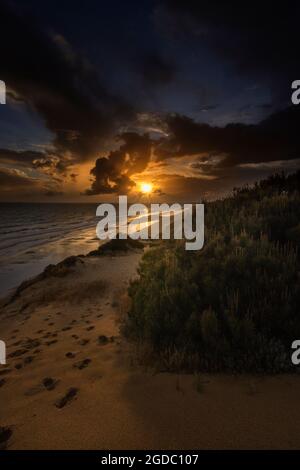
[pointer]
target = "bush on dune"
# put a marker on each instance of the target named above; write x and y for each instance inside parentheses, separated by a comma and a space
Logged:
(234, 304)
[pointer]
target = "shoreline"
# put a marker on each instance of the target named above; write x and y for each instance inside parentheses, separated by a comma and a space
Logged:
(31, 261)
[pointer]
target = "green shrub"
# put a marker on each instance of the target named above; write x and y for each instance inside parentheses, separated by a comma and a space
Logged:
(234, 304)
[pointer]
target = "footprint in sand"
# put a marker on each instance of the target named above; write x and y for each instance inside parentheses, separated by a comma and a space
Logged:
(27, 360)
(70, 355)
(5, 435)
(37, 351)
(75, 336)
(103, 339)
(18, 353)
(85, 316)
(49, 343)
(84, 341)
(67, 398)
(66, 328)
(31, 343)
(82, 364)
(90, 328)
(49, 383)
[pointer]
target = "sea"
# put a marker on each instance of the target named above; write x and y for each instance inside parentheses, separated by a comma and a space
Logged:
(33, 235)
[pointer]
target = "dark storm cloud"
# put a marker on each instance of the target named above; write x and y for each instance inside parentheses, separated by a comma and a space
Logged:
(51, 193)
(42, 70)
(11, 180)
(23, 157)
(275, 138)
(258, 38)
(155, 70)
(59, 84)
(112, 174)
(17, 184)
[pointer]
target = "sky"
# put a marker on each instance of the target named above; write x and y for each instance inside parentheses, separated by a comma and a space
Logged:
(191, 97)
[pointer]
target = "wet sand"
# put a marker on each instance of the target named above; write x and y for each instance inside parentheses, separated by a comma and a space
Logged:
(72, 382)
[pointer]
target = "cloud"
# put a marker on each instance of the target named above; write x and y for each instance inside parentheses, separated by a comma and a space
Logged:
(73, 176)
(12, 180)
(274, 138)
(155, 70)
(255, 37)
(112, 174)
(18, 185)
(51, 193)
(61, 86)
(16, 177)
(210, 154)
(19, 157)
(43, 71)
(46, 162)
(52, 165)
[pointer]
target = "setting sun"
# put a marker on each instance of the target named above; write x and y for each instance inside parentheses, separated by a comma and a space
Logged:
(146, 188)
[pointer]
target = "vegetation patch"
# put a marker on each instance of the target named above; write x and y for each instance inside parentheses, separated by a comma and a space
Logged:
(234, 305)
(117, 245)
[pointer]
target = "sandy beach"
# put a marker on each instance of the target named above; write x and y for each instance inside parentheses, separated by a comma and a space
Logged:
(149, 230)
(72, 382)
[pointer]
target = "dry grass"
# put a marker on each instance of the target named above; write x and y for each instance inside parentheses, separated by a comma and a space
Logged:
(73, 293)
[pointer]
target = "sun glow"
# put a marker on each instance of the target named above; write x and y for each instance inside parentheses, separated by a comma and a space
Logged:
(146, 188)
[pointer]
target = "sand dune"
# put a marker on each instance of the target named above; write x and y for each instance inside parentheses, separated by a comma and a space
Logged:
(72, 382)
